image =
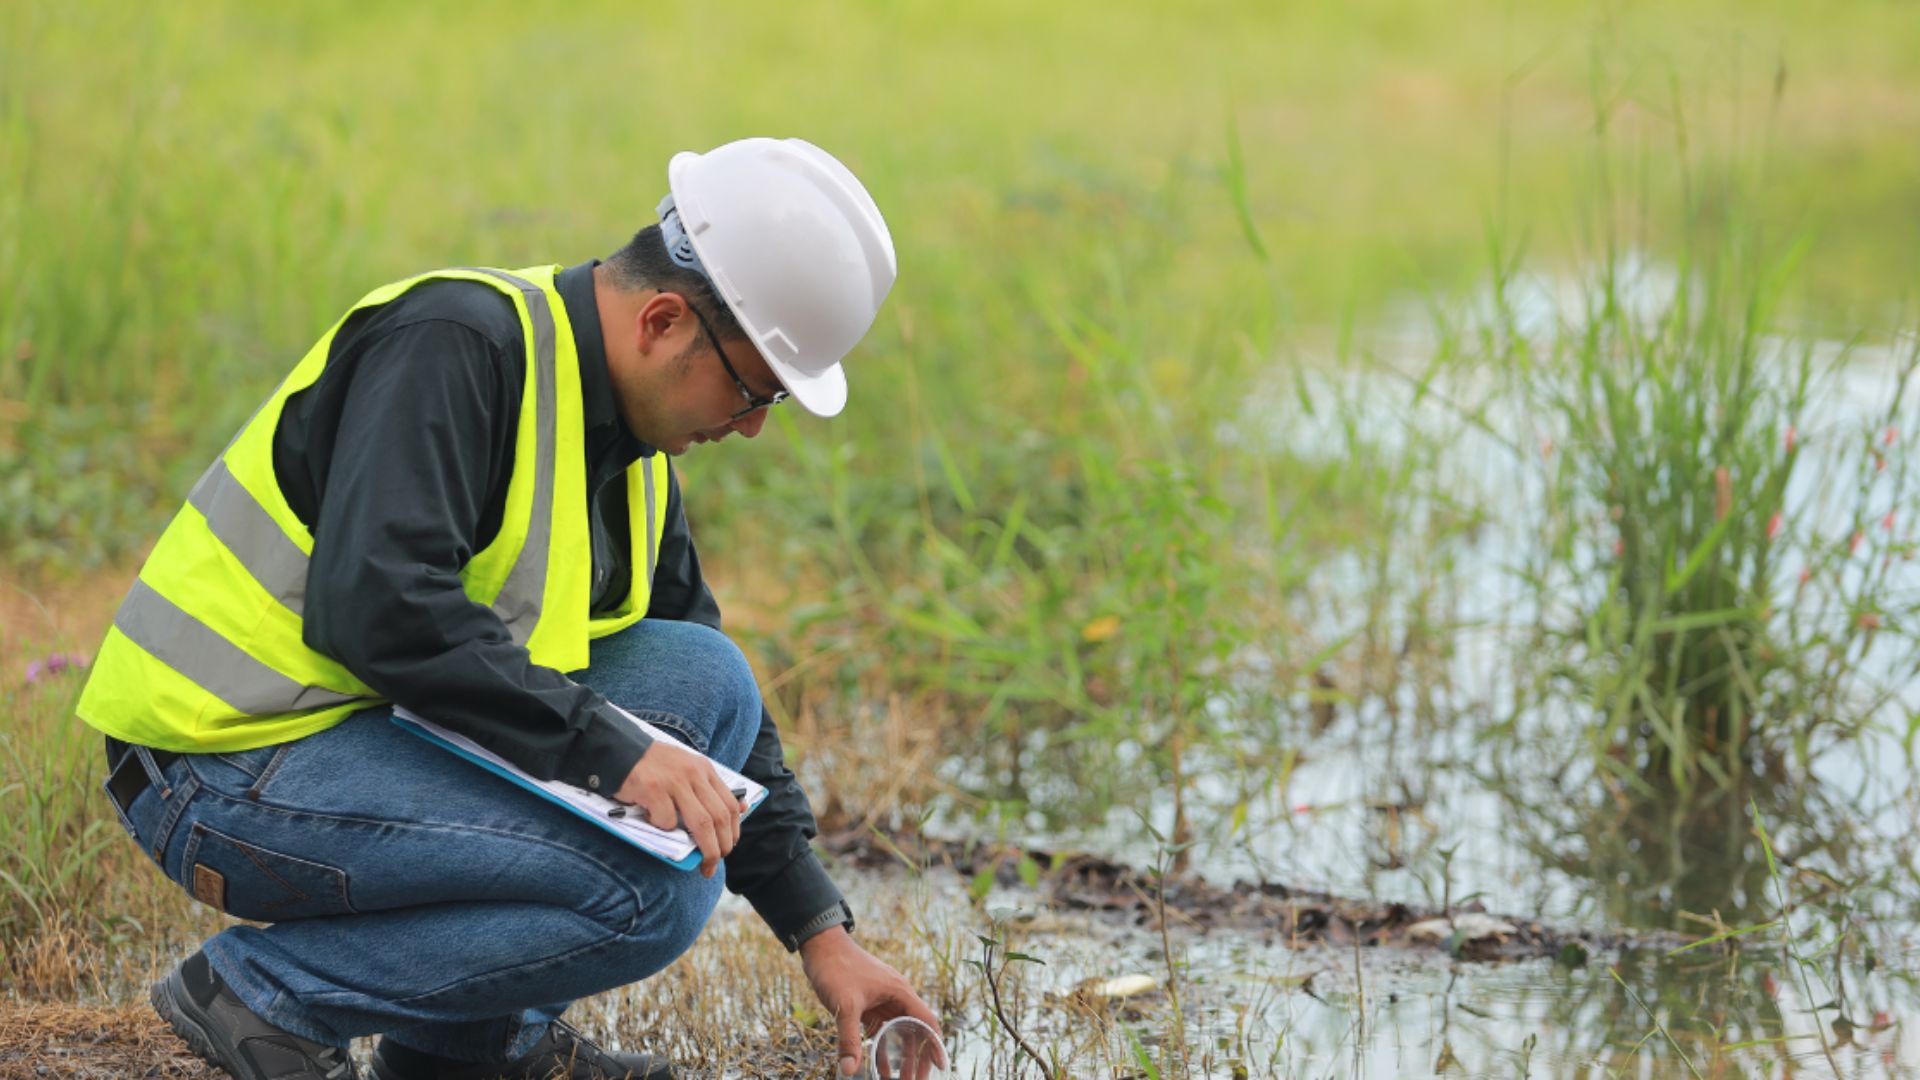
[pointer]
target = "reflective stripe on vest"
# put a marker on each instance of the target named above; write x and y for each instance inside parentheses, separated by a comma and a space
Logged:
(518, 604)
(253, 540)
(653, 537)
(277, 563)
(215, 664)
(241, 523)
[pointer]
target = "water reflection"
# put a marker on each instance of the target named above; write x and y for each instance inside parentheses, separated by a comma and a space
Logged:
(1472, 771)
(1653, 858)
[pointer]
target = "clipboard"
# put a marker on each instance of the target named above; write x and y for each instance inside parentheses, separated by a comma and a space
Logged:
(671, 846)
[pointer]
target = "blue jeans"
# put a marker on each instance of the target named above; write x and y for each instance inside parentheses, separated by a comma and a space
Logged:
(412, 894)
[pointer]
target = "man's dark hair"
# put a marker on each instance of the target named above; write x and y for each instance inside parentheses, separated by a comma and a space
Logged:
(643, 264)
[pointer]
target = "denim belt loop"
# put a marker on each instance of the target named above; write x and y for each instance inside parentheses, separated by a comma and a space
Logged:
(154, 775)
(176, 807)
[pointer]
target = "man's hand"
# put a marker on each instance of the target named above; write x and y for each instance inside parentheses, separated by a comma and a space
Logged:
(859, 990)
(678, 788)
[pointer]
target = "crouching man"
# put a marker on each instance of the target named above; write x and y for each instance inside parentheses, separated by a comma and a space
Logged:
(460, 502)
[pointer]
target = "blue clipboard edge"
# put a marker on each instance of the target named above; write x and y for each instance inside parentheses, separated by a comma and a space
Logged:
(692, 859)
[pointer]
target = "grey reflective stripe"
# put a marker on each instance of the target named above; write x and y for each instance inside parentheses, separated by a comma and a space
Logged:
(210, 661)
(653, 557)
(238, 520)
(518, 604)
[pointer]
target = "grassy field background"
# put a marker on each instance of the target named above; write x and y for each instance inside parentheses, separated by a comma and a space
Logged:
(1134, 240)
(189, 186)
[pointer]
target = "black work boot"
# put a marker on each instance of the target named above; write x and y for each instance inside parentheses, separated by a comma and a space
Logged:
(226, 1034)
(561, 1054)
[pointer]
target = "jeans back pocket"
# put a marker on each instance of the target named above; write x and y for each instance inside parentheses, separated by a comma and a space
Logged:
(252, 882)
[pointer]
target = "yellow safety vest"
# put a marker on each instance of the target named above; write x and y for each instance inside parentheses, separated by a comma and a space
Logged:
(205, 654)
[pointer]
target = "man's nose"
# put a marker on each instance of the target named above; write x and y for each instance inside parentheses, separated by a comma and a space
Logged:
(749, 425)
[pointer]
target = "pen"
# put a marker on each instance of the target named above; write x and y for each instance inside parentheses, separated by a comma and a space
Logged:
(641, 811)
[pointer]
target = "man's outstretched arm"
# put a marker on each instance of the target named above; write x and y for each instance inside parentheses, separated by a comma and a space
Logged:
(773, 866)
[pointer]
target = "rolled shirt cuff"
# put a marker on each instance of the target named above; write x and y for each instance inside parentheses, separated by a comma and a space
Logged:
(837, 915)
(797, 902)
(604, 752)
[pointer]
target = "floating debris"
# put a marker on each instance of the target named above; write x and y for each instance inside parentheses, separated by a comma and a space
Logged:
(1469, 926)
(1118, 987)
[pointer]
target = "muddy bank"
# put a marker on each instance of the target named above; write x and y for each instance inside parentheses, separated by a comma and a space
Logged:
(1271, 912)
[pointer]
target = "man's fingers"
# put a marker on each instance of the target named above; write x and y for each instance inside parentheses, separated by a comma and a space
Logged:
(725, 809)
(849, 1019)
(678, 789)
(699, 825)
(721, 806)
(661, 813)
(930, 1052)
(696, 812)
(710, 833)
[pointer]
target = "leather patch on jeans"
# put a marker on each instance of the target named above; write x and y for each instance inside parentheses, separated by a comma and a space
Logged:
(210, 886)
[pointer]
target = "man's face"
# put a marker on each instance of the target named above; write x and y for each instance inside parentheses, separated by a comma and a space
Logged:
(693, 398)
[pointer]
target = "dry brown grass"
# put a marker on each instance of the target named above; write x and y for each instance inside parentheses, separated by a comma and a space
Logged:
(91, 1043)
(737, 1004)
(57, 963)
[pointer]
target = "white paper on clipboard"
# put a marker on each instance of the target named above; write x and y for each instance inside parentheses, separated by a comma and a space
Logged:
(673, 845)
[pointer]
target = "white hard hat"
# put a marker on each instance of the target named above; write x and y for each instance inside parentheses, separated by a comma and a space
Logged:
(795, 247)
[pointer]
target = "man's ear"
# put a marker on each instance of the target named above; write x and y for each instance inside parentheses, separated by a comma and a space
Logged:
(657, 317)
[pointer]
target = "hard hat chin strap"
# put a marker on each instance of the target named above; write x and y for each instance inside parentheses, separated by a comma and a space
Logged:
(679, 244)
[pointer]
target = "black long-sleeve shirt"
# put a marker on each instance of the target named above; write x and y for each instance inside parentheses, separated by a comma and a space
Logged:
(398, 459)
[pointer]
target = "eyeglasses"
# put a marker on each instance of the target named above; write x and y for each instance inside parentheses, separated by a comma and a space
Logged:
(754, 401)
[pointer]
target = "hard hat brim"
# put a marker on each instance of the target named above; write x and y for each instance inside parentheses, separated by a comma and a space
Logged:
(823, 393)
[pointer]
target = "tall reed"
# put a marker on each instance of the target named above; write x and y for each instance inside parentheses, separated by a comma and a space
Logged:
(1695, 619)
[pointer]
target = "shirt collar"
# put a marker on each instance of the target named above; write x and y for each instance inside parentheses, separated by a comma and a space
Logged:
(575, 286)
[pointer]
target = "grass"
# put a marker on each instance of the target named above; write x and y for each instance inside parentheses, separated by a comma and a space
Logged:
(1711, 622)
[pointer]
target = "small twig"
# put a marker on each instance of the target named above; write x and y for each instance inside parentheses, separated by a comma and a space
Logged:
(1173, 981)
(1000, 1013)
(1360, 988)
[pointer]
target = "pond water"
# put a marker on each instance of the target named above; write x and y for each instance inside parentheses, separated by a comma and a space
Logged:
(1382, 805)
(1374, 784)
